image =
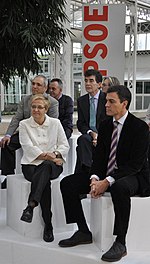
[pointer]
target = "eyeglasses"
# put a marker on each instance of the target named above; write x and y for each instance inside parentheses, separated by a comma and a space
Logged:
(39, 107)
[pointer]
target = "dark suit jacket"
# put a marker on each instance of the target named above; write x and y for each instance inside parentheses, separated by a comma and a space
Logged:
(83, 108)
(66, 114)
(131, 153)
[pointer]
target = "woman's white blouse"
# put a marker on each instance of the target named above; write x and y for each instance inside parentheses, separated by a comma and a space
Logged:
(36, 139)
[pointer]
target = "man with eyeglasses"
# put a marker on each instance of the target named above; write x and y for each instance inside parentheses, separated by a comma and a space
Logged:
(10, 142)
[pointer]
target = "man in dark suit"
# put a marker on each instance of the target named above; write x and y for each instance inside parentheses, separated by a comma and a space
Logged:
(10, 142)
(55, 88)
(129, 174)
(87, 141)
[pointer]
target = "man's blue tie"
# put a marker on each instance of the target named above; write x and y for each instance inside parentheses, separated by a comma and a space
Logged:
(92, 114)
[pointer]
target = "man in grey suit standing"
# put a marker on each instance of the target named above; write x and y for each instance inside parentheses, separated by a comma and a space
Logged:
(10, 142)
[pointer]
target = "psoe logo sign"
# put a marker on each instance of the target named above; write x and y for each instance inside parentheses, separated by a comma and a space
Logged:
(91, 36)
(103, 38)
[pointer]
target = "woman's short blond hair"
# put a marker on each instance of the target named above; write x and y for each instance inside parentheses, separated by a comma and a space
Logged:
(42, 98)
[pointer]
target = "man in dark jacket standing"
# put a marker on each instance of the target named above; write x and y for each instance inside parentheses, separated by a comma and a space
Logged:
(55, 88)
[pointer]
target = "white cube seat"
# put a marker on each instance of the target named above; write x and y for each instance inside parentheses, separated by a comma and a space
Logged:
(17, 196)
(102, 222)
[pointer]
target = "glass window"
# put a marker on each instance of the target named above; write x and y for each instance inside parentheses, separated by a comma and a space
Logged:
(141, 42)
(13, 87)
(46, 66)
(16, 86)
(42, 66)
(138, 102)
(146, 101)
(139, 87)
(80, 60)
(23, 86)
(146, 87)
(148, 41)
(77, 92)
(127, 17)
(11, 102)
(77, 48)
(127, 41)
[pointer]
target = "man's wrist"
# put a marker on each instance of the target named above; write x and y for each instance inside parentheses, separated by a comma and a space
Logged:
(94, 176)
(7, 135)
(110, 179)
(89, 131)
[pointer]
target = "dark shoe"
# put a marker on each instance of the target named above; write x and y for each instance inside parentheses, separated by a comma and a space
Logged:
(48, 234)
(115, 253)
(78, 238)
(4, 184)
(27, 214)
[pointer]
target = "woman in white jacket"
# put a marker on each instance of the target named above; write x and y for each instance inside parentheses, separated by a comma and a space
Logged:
(45, 147)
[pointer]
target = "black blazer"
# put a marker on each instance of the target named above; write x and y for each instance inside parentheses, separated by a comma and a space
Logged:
(83, 108)
(66, 114)
(131, 153)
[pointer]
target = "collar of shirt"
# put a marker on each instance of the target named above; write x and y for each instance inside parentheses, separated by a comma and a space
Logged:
(120, 125)
(121, 122)
(96, 96)
(59, 96)
(34, 124)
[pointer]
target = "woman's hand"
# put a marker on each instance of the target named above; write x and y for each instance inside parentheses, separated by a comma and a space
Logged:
(58, 161)
(50, 156)
(46, 156)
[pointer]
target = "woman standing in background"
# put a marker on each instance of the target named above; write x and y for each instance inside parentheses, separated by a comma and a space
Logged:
(109, 81)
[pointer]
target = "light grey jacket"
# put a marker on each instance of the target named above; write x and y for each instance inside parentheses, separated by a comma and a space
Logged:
(24, 112)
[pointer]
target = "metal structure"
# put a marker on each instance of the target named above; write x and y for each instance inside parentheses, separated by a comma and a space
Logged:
(138, 17)
(138, 21)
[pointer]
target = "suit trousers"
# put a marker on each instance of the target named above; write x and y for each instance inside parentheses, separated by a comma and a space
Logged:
(121, 191)
(84, 150)
(40, 177)
(8, 157)
(71, 188)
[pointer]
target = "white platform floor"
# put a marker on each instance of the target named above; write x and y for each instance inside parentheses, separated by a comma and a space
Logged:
(17, 249)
